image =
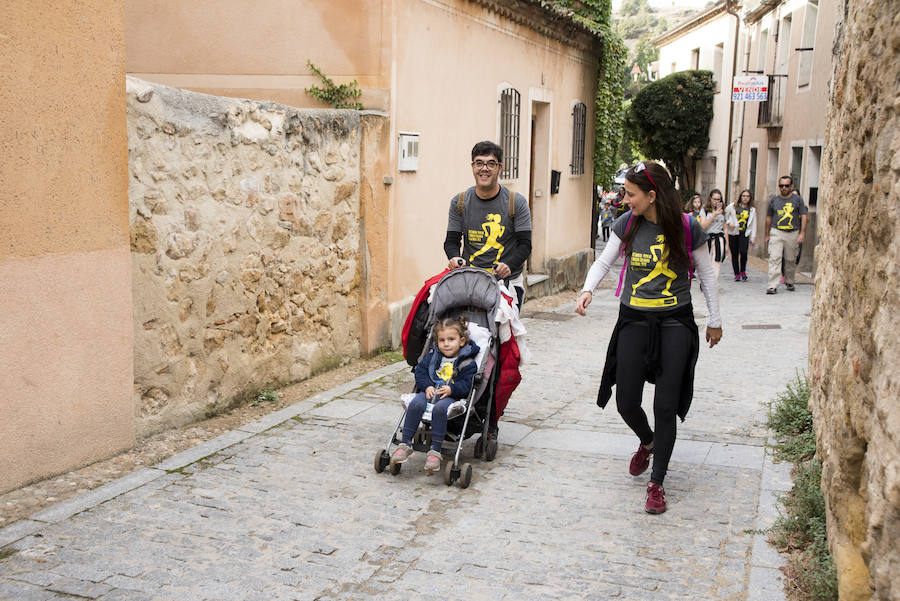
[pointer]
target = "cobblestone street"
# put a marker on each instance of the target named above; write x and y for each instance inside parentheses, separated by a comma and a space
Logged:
(290, 508)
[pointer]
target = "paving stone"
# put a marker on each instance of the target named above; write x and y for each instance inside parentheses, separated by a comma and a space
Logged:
(79, 588)
(289, 507)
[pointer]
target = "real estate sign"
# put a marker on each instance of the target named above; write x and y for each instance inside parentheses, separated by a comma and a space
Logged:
(750, 88)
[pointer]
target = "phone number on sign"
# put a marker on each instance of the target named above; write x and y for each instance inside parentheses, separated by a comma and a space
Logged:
(749, 96)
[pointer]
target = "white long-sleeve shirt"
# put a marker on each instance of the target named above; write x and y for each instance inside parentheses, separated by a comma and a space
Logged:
(702, 268)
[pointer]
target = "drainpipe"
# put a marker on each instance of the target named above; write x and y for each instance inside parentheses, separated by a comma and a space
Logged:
(737, 26)
(740, 136)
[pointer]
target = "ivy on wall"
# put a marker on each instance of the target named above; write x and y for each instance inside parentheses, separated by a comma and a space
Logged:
(596, 15)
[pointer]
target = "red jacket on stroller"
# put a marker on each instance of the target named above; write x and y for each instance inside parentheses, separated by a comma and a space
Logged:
(413, 339)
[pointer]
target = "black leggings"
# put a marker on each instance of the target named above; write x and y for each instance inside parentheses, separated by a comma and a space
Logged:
(674, 353)
(739, 245)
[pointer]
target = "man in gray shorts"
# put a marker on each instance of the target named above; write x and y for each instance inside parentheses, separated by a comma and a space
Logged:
(493, 231)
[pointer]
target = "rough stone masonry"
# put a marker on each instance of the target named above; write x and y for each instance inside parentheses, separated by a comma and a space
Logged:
(854, 347)
(245, 245)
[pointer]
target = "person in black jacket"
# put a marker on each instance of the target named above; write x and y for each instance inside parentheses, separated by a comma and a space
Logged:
(444, 375)
(656, 338)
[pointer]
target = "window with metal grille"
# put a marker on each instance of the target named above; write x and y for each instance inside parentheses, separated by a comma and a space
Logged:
(510, 112)
(579, 116)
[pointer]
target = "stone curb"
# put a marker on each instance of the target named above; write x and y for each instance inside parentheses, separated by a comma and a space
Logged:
(66, 509)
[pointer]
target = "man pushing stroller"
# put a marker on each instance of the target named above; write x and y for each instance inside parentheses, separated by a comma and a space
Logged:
(491, 226)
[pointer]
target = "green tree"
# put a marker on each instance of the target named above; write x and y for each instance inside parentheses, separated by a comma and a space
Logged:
(644, 54)
(670, 120)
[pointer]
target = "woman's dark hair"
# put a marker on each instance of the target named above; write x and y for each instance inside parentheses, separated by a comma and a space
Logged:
(737, 201)
(487, 148)
(708, 205)
(668, 212)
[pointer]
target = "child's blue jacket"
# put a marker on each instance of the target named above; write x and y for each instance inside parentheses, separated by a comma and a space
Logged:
(461, 382)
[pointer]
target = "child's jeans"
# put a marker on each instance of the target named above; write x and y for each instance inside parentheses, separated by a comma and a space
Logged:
(414, 412)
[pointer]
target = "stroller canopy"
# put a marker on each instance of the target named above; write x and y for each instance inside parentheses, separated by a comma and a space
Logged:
(469, 291)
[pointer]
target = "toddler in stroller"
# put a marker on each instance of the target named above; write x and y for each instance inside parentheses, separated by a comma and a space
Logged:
(470, 297)
(443, 377)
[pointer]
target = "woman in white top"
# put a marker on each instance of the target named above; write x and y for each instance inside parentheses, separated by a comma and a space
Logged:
(656, 337)
(740, 223)
(712, 218)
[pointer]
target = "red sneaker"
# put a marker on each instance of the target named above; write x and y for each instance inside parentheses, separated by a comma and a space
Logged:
(656, 498)
(640, 461)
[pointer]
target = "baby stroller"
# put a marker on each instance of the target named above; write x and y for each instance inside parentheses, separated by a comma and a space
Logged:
(474, 294)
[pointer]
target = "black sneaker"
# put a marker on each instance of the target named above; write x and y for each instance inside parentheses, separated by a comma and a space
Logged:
(770, 291)
(790, 287)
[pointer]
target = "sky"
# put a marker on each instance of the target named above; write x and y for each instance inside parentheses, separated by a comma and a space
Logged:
(668, 3)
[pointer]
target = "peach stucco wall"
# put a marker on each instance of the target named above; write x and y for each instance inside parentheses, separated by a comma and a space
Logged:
(259, 50)
(431, 66)
(452, 60)
(65, 299)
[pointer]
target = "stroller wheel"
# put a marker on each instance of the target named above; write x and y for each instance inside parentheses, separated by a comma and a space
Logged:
(479, 447)
(395, 468)
(449, 475)
(466, 475)
(382, 459)
(490, 449)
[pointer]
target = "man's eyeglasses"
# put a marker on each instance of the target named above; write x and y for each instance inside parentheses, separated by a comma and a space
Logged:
(490, 165)
(641, 167)
(785, 185)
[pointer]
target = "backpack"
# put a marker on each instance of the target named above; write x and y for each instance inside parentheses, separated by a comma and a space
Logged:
(688, 240)
(461, 205)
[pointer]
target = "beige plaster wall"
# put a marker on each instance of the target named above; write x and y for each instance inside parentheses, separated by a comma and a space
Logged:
(65, 299)
(718, 30)
(804, 111)
(245, 233)
(259, 51)
(453, 58)
(854, 348)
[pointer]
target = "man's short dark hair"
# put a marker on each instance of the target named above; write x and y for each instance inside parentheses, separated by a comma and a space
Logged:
(787, 177)
(487, 148)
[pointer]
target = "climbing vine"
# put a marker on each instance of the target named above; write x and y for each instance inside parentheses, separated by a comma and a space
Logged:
(339, 96)
(596, 15)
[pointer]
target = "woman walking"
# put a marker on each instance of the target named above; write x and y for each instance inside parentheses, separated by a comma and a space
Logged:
(655, 338)
(740, 220)
(712, 219)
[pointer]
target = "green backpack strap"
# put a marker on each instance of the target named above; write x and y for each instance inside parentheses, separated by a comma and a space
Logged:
(461, 202)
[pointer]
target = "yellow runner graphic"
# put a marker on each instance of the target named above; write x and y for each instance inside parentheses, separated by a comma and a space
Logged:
(787, 213)
(493, 230)
(445, 372)
(660, 268)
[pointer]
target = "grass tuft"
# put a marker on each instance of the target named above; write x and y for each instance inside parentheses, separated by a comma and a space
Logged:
(800, 528)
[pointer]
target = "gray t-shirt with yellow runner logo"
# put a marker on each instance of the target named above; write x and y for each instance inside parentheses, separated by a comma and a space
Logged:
(487, 234)
(786, 212)
(650, 283)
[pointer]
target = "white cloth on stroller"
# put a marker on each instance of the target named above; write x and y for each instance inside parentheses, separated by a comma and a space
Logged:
(507, 318)
(457, 407)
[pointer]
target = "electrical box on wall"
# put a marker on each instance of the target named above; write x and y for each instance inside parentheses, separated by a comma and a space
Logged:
(409, 151)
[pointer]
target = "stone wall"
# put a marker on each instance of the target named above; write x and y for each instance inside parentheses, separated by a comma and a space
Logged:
(854, 347)
(245, 239)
